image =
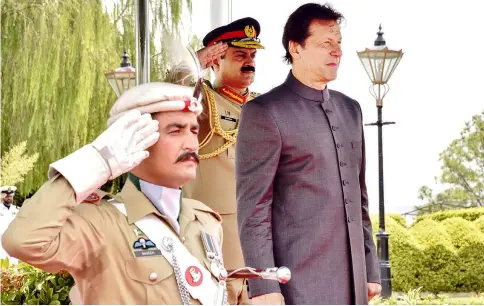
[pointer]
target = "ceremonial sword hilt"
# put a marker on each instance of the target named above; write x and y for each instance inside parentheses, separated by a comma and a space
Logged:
(281, 274)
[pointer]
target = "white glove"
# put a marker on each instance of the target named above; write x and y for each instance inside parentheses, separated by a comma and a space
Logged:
(123, 144)
(117, 150)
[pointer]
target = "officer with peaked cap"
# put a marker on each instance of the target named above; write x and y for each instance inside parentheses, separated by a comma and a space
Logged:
(230, 51)
(147, 244)
(8, 192)
(8, 212)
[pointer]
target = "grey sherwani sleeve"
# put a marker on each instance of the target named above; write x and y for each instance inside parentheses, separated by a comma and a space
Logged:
(372, 266)
(257, 158)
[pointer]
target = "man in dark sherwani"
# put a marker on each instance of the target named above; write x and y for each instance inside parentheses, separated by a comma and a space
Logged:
(300, 173)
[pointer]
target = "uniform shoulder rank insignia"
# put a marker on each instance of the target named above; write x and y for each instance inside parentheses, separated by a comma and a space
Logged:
(144, 244)
(92, 198)
(254, 94)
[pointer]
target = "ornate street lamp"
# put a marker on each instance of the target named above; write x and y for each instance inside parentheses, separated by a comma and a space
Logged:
(380, 63)
(122, 78)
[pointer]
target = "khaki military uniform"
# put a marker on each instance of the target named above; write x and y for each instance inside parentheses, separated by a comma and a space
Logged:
(215, 182)
(95, 243)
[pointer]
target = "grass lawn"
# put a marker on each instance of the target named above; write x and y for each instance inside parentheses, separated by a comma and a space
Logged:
(414, 298)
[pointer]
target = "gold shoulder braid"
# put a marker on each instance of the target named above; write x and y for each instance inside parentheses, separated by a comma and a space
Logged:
(230, 136)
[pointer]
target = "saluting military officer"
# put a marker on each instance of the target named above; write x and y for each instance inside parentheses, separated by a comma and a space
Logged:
(147, 244)
(230, 50)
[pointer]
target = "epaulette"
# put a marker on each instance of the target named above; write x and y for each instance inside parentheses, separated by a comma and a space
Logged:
(197, 205)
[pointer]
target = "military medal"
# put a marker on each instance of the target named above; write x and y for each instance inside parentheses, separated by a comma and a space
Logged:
(215, 269)
(214, 255)
(193, 276)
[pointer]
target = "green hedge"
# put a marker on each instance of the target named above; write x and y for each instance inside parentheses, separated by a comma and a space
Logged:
(439, 257)
(442, 252)
(469, 242)
(469, 214)
(405, 255)
(401, 220)
(479, 223)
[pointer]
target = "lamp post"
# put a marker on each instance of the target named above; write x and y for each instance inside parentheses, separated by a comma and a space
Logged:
(380, 63)
(142, 38)
(122, 78)
(126, 76)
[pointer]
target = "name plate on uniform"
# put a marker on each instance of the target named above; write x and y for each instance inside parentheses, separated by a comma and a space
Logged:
(144, 253)
(228, 118)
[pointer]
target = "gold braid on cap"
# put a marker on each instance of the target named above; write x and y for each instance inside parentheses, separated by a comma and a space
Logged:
(230, 136)
(247, 44)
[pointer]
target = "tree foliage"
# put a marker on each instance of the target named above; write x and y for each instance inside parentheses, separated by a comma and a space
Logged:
(54, 55)
(15, 165)
(462, 171)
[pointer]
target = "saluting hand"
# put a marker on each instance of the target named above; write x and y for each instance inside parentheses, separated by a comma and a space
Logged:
(123, 145)
(208, 55)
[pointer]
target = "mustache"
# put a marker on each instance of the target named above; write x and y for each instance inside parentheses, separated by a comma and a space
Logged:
(188, 156)
(248, 68)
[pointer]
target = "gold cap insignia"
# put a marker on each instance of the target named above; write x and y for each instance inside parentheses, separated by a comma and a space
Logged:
(249, 31)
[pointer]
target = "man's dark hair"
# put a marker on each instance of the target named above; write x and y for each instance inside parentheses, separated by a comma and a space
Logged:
(297, 25)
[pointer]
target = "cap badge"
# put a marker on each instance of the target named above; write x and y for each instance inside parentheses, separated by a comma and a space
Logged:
(249, 31)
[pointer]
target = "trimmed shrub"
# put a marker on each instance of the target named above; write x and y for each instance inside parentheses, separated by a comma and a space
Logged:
(401, 220)
(469, 214)
(479, 224)
(469, 243)
(405, 255)
(439, 257)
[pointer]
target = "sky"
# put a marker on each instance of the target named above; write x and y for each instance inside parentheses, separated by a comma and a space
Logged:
(435, 89)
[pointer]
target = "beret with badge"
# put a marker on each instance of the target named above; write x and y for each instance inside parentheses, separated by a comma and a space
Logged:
(155, 97)
(242, 33)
